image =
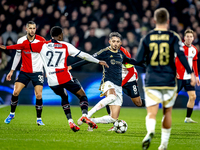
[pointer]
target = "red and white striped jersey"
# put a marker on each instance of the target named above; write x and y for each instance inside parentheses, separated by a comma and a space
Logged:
(31, 62)
(54, 55)
(191, 55)
(125, 71)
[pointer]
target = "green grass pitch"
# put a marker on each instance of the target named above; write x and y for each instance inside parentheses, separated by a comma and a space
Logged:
(23, 133)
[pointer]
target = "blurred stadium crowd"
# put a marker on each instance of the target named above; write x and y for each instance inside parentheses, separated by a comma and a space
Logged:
(87, 23)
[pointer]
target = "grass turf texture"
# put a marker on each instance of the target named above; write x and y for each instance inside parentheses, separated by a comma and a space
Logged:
(23, 133)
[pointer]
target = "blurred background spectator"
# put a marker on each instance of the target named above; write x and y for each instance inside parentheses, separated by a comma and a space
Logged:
(87, 24)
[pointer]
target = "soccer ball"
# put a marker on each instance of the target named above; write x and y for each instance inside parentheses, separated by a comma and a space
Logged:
(120, 126)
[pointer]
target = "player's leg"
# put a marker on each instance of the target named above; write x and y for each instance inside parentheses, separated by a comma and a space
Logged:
(75, 87)
(37, 81)
(39, 103)
(20, 83)
(166, 128)
(115, 110)
(110, 97)
(192, 97)
(190, 105)
(169, 97)
(131, 89)
(114, 107)
(153, 98)
(59, 90)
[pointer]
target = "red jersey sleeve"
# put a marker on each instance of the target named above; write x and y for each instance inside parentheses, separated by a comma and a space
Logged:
(125, 52)
(18, 46)
(34, 47)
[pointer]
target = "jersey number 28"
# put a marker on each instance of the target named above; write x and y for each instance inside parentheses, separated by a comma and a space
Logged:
(161, 51)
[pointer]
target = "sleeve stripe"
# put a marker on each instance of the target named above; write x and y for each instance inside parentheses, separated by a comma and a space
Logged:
(77, 53)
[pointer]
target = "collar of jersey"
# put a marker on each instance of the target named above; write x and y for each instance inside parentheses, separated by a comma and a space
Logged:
(112, 50)
(160, 29)
(54, 41)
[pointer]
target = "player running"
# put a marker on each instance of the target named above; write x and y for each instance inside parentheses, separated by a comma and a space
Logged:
(54, 54)
(31, 70)
(157, 49)
(129, 83)
(111, 81)
(183, 77)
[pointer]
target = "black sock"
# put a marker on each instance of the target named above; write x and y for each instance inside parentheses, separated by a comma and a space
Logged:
(14, 102)
(108, 109)
(189, 112)
(84, 104)
(66, 106)
(38, 107)
(143, 102)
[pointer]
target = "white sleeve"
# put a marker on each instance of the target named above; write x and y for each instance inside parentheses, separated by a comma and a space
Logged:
(87, 57)
(16, 60)
(17, 57)
(77, 53)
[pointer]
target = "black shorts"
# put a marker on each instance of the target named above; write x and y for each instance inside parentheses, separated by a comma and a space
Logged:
(73, 86)
(37, 78)
(186, 84)
(131, 89)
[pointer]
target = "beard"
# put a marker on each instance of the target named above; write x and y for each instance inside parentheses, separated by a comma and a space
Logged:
(31, 35)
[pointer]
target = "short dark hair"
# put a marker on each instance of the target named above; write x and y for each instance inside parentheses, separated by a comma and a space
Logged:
(161, 16)
(30, 22)
(115, 34)
(55, 31)
(188, 31)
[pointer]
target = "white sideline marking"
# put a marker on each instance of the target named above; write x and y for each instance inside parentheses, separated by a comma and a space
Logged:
(1, 106)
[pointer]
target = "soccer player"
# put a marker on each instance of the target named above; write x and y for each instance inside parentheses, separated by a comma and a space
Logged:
(157, 49)
(31, 70)
(111, 81)
(129, 83)
(183, 77)
(54, 54)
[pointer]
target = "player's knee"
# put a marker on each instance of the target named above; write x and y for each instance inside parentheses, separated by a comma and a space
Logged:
(38, 95)
(112, 97)
(16, 93)
(192, 97)
(137, 101)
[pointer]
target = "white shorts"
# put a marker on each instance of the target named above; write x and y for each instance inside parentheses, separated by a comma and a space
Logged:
(118, 90)
(155, 96)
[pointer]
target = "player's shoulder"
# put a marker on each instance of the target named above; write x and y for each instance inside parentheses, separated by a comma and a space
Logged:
(22, 39)
(174, 34)
(40, 38)
(103, 50)
(194, 47)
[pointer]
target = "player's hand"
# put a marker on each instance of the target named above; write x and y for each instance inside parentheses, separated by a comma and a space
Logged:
(103, 63)
(193, 82)
(8, 77)
(2, 47)
(197, 80)
(69, 67)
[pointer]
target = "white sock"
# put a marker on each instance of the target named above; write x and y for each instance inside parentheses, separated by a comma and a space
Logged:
(101, 104)
(104, 119)
(39, 118)
(71, 120)
(165, 134)
(150, 125)
(12, 113)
